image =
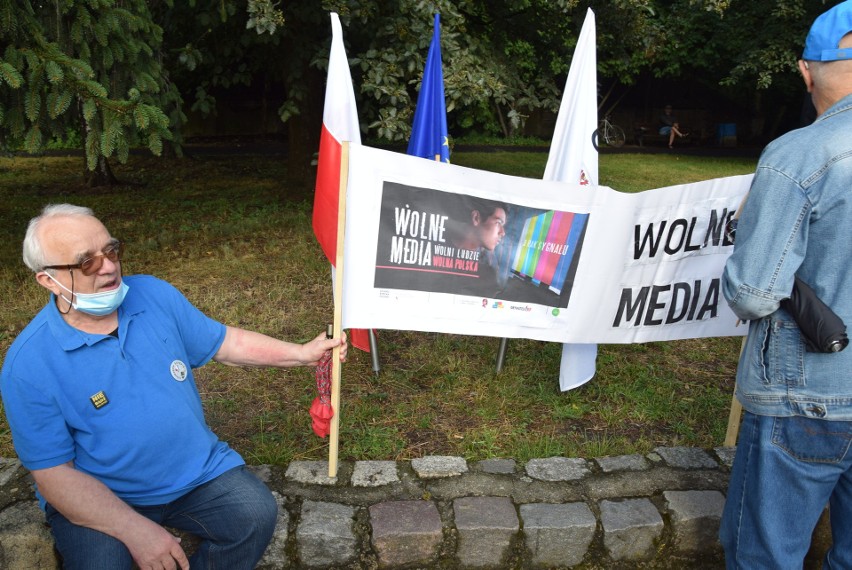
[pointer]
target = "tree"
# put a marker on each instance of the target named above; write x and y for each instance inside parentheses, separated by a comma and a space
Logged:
(228, 55)
(89, 66)
(503, 61)
(492, 70)
(744, 50)
(119, 71)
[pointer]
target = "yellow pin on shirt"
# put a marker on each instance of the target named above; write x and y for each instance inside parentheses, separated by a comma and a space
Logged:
(99, 400)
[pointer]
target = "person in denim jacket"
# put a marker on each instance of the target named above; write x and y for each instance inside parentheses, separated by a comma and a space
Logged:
(793, 456)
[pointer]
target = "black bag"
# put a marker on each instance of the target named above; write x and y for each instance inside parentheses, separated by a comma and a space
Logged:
(821, 328)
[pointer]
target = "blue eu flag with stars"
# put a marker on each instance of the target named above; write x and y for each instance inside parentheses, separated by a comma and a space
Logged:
(429, 131)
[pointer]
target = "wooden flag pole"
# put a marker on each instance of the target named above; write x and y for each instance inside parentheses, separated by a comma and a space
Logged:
(736, 412)
(733, 421)
(334, 431)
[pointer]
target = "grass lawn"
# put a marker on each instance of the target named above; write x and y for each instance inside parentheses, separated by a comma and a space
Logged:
(237, 241)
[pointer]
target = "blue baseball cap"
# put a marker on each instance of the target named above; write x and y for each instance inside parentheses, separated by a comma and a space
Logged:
(826, 33)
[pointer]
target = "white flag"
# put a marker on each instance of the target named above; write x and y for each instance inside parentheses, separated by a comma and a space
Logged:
(573, 158)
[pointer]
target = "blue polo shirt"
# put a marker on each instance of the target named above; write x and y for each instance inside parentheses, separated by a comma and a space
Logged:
(126, 410)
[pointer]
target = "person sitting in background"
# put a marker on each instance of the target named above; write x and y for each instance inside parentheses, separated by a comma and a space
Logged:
(670, 126)
(104, 411)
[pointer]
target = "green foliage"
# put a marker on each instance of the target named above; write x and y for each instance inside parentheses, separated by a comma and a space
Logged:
(32, 104)
(92, 52)
(54, 72)
(264, 16)
(750, 45)
(34, 137)
(141, 118)
(504, 61)
(208, 51)
(10, 75)
(492, 74)
(69, 140)
(480, 139)
(58, 103)
(85, 63)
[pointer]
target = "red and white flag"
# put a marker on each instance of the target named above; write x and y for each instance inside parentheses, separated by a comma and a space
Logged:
(339, 124)
(573, 158)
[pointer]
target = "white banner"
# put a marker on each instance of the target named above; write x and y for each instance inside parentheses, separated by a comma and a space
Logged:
(443, 248)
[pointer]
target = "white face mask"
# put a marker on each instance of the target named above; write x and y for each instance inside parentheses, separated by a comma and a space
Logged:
(97, 304)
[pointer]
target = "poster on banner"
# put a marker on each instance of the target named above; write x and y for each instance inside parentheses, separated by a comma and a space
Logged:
(437, 247)
(441, 242)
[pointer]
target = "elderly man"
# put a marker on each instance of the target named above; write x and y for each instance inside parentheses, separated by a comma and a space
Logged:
(100, 396)
(793, 455)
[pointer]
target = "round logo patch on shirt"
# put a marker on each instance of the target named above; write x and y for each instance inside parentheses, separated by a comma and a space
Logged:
(178, 370)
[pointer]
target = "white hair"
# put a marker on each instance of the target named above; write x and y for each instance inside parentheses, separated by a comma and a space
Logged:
(33, 250)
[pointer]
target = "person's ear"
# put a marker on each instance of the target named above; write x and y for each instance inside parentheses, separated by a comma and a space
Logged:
(475, 217)
(45, 281)
(804, 69)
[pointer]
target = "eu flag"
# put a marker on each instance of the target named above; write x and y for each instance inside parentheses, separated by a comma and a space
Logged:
(429, 131)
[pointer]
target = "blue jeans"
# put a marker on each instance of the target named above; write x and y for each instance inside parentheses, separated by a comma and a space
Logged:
(785, 472)
(234, 515)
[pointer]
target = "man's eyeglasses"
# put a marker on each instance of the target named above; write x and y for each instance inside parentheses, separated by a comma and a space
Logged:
(93, 264)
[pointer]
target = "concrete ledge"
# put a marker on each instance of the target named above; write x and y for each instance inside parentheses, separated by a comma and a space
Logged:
(660, 510)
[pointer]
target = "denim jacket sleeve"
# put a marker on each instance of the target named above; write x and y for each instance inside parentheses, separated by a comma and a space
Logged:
(770, 244)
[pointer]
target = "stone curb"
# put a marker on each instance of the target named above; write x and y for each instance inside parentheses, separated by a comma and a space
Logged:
(659, 510)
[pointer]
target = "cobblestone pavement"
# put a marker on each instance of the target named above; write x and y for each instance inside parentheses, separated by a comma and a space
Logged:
(659, 510)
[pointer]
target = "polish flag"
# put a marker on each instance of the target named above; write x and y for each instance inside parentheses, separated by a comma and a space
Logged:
(339, 123)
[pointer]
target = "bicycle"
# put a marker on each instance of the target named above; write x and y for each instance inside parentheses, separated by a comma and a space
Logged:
(609, 133)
